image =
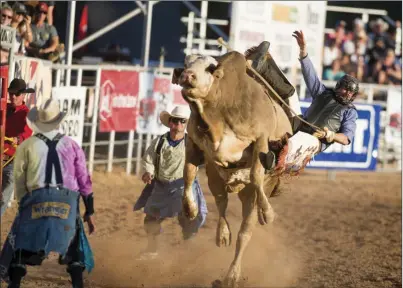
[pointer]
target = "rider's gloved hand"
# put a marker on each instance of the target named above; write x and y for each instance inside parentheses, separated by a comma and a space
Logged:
(325, 133)
(329, 135)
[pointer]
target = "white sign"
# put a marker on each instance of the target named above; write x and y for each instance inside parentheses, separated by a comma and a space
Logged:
(255, 21)
(72, 101)
(362, 152)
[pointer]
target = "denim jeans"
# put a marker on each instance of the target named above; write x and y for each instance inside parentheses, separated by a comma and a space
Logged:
(7, 187)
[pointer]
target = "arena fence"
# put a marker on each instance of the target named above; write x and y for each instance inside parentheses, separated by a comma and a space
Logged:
(94, 142)
(112, 149)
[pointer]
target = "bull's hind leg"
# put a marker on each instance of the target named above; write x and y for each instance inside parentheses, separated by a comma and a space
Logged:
(266, 212)
(217, 188)
(249, 214)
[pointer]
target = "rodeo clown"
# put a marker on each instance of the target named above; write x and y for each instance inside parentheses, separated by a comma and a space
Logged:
(50, 175)
(163, 164)
(17, 131)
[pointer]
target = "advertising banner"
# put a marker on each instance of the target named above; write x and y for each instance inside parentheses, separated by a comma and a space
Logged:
(72, 101)
(362, 153)
(118, 100)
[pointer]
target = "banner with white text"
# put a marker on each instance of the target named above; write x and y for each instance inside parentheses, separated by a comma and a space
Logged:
(118, 100)
(72, 101)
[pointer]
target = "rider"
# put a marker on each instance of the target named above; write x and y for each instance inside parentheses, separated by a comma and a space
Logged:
(331, 109)
(17, 131)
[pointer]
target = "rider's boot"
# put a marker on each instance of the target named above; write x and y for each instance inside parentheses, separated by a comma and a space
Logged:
(264, 64)
(16, 273)
(76, 273)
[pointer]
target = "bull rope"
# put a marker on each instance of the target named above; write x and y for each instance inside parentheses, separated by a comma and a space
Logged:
(223, 43)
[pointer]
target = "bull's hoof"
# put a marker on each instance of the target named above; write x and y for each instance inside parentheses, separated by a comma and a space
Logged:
(232, 279)
(223, 236)
(266, 217)
(190, 210)
(217, 284)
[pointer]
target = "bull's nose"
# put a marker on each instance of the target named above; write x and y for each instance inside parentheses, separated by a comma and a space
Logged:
(189, 76)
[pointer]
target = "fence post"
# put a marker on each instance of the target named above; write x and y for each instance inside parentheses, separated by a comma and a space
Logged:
(111, 150)
(94, 121)
(189, 40)
(138, 152)
(130, 153)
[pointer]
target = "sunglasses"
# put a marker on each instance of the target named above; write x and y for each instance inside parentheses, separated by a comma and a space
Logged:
(16, 94)
(7, 16)
(42, 12)
(177, 120)
(20, 13)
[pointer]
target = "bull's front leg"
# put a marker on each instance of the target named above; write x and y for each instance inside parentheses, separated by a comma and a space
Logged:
(265, 211)
(194, 158)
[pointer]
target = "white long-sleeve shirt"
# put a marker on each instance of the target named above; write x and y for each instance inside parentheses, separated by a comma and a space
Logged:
(172, 160)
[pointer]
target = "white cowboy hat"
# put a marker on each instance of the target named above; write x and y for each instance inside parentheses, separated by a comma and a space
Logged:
(181, 112)
(379, 22)
(48, 117)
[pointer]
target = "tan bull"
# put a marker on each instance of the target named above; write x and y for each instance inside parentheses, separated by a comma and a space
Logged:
(231, 123)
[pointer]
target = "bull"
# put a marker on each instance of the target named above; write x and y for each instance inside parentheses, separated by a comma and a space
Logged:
(232, 121)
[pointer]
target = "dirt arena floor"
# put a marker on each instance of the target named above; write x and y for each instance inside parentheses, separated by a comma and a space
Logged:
(328, 234)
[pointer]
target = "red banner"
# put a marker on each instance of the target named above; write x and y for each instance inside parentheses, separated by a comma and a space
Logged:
(118, 101)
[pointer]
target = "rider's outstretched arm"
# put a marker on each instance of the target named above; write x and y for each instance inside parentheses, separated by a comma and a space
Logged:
(311, 79)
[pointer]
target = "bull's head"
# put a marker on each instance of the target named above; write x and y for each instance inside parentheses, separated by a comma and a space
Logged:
(198, 75)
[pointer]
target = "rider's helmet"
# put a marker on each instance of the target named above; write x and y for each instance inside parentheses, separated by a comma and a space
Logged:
(346, 89)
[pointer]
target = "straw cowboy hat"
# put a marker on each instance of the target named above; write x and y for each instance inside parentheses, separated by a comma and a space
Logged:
(181, 112)
(48, 117)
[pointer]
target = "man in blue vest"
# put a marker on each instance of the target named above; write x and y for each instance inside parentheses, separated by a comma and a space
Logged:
(163, 164)
(331, 109)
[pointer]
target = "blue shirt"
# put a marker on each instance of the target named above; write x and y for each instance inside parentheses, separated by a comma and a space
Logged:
(316, 88)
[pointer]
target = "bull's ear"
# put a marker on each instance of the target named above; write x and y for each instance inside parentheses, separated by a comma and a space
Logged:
(175, 76)
(218, 73)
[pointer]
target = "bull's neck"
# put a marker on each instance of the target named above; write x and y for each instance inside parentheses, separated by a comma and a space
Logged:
(209, 120)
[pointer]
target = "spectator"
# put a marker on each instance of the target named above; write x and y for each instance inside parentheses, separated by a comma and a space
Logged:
(360, 42)
(330, 54)
(348, 47)
(22, 23)
(361, 71)
(334, 73)
(358, 29)
(379, 41)
(5, 35)
(364, 55)
(51, 5)
(45, 42)
(390, 72)
(340, 34)
(6, 15)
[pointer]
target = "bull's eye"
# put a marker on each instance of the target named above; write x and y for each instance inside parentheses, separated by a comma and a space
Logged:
(211, 68)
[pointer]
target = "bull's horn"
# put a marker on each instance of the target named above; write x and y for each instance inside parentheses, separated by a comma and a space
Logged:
(221, 42)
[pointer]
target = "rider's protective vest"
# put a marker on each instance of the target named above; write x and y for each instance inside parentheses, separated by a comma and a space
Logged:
(325, 111)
